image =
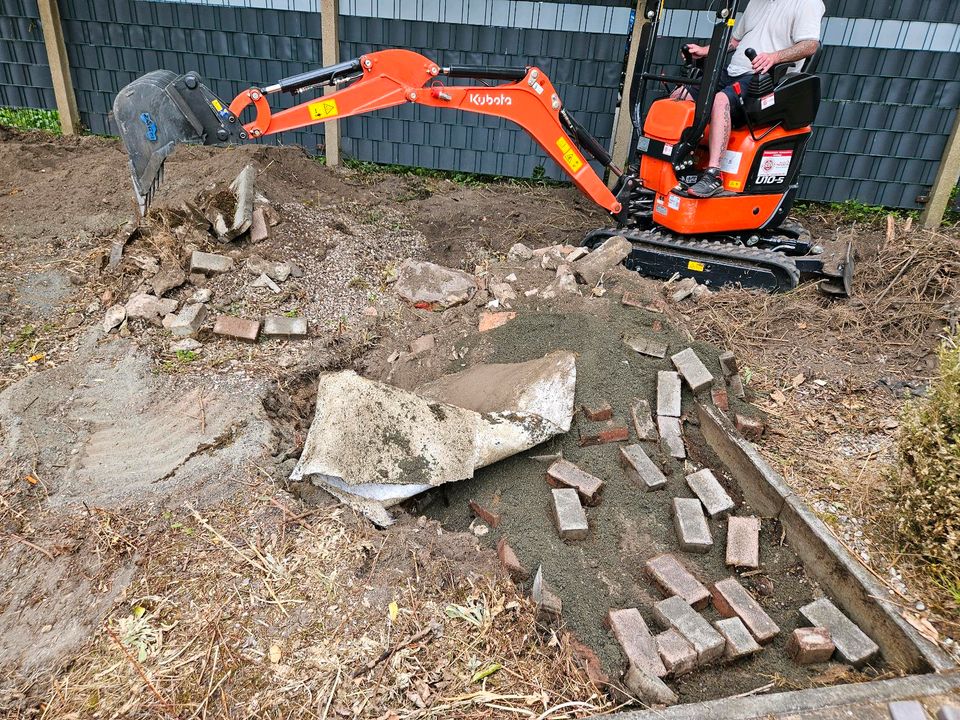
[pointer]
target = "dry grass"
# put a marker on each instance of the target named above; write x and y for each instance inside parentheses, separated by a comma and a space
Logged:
(257, 609)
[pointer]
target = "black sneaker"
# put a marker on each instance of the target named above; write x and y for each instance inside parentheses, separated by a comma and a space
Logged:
(709, 184)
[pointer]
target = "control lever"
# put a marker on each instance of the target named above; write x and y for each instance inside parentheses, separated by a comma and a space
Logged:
(761, 84)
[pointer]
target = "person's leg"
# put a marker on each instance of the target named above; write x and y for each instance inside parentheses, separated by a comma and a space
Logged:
(711, 181)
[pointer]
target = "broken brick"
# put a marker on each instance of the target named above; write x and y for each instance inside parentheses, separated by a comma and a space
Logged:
(634, 636)
(647, 346)
(206, 263)
(589, 662)
(676, 613)
(189, 320)
(852, 643)
(809, 645)
(616, 433)
(678, 655)
(492, 320)
(598, 413)
(547, 601)
(643, 421)
(632, 299)
(731, 599)
(564, 474)
(671, 436)
(743, 542)
(739, 641)
(728, 364)
(511, 563)
(750, 428)
(735, 385)
(236, 328)
(668, 574)
(489, 517)
(720, 398)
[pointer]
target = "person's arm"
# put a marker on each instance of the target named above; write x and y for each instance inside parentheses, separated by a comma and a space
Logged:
(701, 51)
(802, 50)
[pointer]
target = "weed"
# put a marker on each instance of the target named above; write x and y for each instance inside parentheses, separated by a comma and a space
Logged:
(187, 356)
(26, 332)
(538, 177)
(291, 313)
(31, 119)
(358, 283)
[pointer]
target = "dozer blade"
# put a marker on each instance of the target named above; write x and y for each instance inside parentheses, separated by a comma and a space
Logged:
(161, 109)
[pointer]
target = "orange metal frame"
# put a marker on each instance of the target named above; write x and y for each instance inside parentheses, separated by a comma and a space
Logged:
(394, 77)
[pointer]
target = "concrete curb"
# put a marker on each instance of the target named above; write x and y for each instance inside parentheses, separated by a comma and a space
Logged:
(800, 701)
(850, 585)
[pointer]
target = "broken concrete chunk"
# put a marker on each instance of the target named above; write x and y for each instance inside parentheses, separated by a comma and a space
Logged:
(643, 421)
(167, 279)
(511, 563)
(264, 281)
(424, 282)
(590, 269)
(708, 489)
(638, 645)
(553, 258)
(739, 641)
(503, 292)
(568, 514)
(243, 192)
(209, 263)
(283, 326)
(114, 316)
(671, 436)
(202, 295)
(692, 370)
(640, 469)
(519, 252)
(547, 601)
(676, 613)
(852, 643)
(236, 328)
(149, 307)
(668, 574)
(731, 599)
(743, 542)
(189, 321)
(259, 231)
(679, 657)
(648, 688)
(810, 645)
(668, 394)
(423, 345)
(646, 346)
(564, 474)
(693, 532)
(683, 289)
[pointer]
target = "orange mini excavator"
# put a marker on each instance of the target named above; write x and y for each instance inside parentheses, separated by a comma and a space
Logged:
(740, 236)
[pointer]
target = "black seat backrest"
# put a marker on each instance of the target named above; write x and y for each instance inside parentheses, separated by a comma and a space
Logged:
(796, 97)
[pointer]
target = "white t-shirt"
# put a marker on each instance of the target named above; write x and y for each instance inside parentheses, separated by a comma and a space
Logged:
(771, 25)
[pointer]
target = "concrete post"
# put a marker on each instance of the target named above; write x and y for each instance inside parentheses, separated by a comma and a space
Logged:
(946, 180)
(623, 129)
(59, 66)
(330, 40)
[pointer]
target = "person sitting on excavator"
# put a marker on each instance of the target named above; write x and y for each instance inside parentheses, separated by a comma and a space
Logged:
(781, 31)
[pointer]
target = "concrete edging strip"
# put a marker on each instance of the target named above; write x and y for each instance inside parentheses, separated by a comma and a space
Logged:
(851, 586)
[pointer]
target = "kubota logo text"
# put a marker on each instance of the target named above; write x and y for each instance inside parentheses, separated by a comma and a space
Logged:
(488, 99)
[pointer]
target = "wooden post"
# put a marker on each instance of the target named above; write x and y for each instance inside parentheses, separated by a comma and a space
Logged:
(623, 131)
(59, 66)
(330, 40)
(946, 180)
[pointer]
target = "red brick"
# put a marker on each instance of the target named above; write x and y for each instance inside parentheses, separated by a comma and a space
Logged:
(749, 427)
(674, 579)
(720, 399)
(237, 328)
(491, 320)
(731, 599)
(679, 656)
(634, 637)
(616, 433)
(511, 563)
(564, 474)
(743, 542)
(600, 412)
(589, 662)
(631, 299)
(809, 645)
(489, 517)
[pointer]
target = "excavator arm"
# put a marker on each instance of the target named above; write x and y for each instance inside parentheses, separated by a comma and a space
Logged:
(160, 110)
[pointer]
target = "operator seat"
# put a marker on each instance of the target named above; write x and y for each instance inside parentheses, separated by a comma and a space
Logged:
(790, 99)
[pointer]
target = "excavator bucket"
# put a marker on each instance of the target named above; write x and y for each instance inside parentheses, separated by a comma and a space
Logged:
(161, 109)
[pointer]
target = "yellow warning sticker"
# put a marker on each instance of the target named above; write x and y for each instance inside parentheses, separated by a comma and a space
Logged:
(695, 266)
(217, 105)
(570, 156)
(731, 22)
(323, 109)
(735, 184)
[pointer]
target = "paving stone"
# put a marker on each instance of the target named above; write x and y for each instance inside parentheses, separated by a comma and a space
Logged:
(638, 645)
(728, 364)
(705, 486)
(668, 574)
(671, 437)
(678, 656)
(511, 563)
(640, 469)
(948, 712)
(603, 435)
(603, 411)
(189, 320)
(547, 601)
(632, 299)
(492, 320)
(568, 514)
(668, 394)
(852, 643)
(735, 385)
(907, 710)
(809, 645)
(282, 326)
(676, 613)
(236, 328)
(693, 532)
(208, 263)
(564, 474)
(750, 428)
(488, 516)
(720, 398)
(743, 542)
(739, 641)
(648, 688)
(731, 599)
(643, 421)
(692, 370)
(647, 346)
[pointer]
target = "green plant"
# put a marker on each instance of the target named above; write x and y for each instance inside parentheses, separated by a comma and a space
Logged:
(187, 356)
(31, 119)
(925, 489)
(856, 211)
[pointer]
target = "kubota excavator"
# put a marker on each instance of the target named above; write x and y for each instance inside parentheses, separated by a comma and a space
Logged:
(740, 236)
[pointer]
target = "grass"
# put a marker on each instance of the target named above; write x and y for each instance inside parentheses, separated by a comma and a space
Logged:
(537, 179)
(31, 119)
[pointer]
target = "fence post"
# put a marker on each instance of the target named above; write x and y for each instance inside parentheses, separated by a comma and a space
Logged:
(946, 180)
(330, 41)
(623, 131)
(59, 66)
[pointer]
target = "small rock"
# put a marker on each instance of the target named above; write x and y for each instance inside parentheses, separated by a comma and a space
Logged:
(423, 345)
(519, 253)
(189, 321)
(258, 226)
(512, 277)
(167, 279)
(188, 344)
(503, 292)
(210, 263)
(264, 281)
(149, 307)
(683, 289)
(425, 282)
(202, 295)
(552, 259)
(115, 315)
